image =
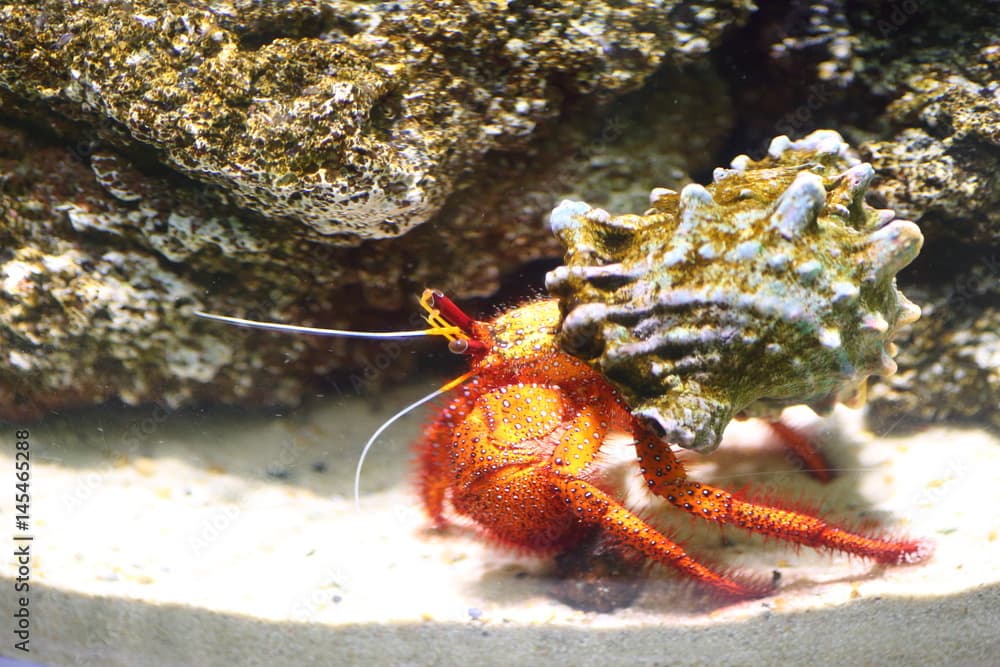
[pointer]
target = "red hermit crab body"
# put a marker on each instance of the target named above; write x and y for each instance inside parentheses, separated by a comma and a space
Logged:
(516, 451)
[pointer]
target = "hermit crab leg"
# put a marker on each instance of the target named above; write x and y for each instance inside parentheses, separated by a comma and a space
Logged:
(803, 449)
(666, 477)
(597, 507)
(527, 497)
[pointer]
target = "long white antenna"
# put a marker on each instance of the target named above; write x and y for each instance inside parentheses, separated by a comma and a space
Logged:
(389, 422)
(441, 328)
(291, 328)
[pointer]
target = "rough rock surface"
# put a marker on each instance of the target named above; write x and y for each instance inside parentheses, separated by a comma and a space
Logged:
(949, 361)
(943, 168)
(100, 176)
(822, 28)
(357, 123)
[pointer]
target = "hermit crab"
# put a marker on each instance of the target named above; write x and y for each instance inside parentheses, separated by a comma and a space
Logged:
(774, 285)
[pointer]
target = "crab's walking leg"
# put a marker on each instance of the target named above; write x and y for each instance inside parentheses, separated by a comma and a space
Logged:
(802, 448)
(665, 476)
(593, 506)
(517, 457)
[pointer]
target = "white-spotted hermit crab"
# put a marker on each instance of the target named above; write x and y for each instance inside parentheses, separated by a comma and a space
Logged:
(774, 285)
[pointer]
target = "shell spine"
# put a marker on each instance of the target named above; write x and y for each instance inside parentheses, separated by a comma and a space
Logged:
(774, 285)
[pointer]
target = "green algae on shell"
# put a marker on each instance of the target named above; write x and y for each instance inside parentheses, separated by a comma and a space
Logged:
(772, 286)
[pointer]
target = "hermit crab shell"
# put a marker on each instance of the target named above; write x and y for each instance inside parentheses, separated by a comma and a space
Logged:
(774, 285)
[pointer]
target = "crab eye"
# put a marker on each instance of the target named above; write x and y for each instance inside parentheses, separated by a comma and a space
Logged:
(467, 346)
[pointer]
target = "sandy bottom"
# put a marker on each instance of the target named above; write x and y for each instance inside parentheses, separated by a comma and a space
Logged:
(231, 538)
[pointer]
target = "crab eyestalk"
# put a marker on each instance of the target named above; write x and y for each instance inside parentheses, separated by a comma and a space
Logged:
(444, 314)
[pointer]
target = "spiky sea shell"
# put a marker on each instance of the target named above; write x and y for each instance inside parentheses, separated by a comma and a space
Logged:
(774, 285)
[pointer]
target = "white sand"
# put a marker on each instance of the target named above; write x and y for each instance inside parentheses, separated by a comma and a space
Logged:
(162, 539)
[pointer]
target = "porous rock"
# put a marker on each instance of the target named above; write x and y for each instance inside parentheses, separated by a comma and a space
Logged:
(949, 361)
(357, 122)
(943, 167)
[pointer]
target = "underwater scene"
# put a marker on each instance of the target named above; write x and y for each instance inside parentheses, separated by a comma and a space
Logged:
(444, 333)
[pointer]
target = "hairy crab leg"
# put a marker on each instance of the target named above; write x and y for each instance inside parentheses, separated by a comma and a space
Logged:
(535, 440)
(596, 507)
(803, 449)
(666, 477)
